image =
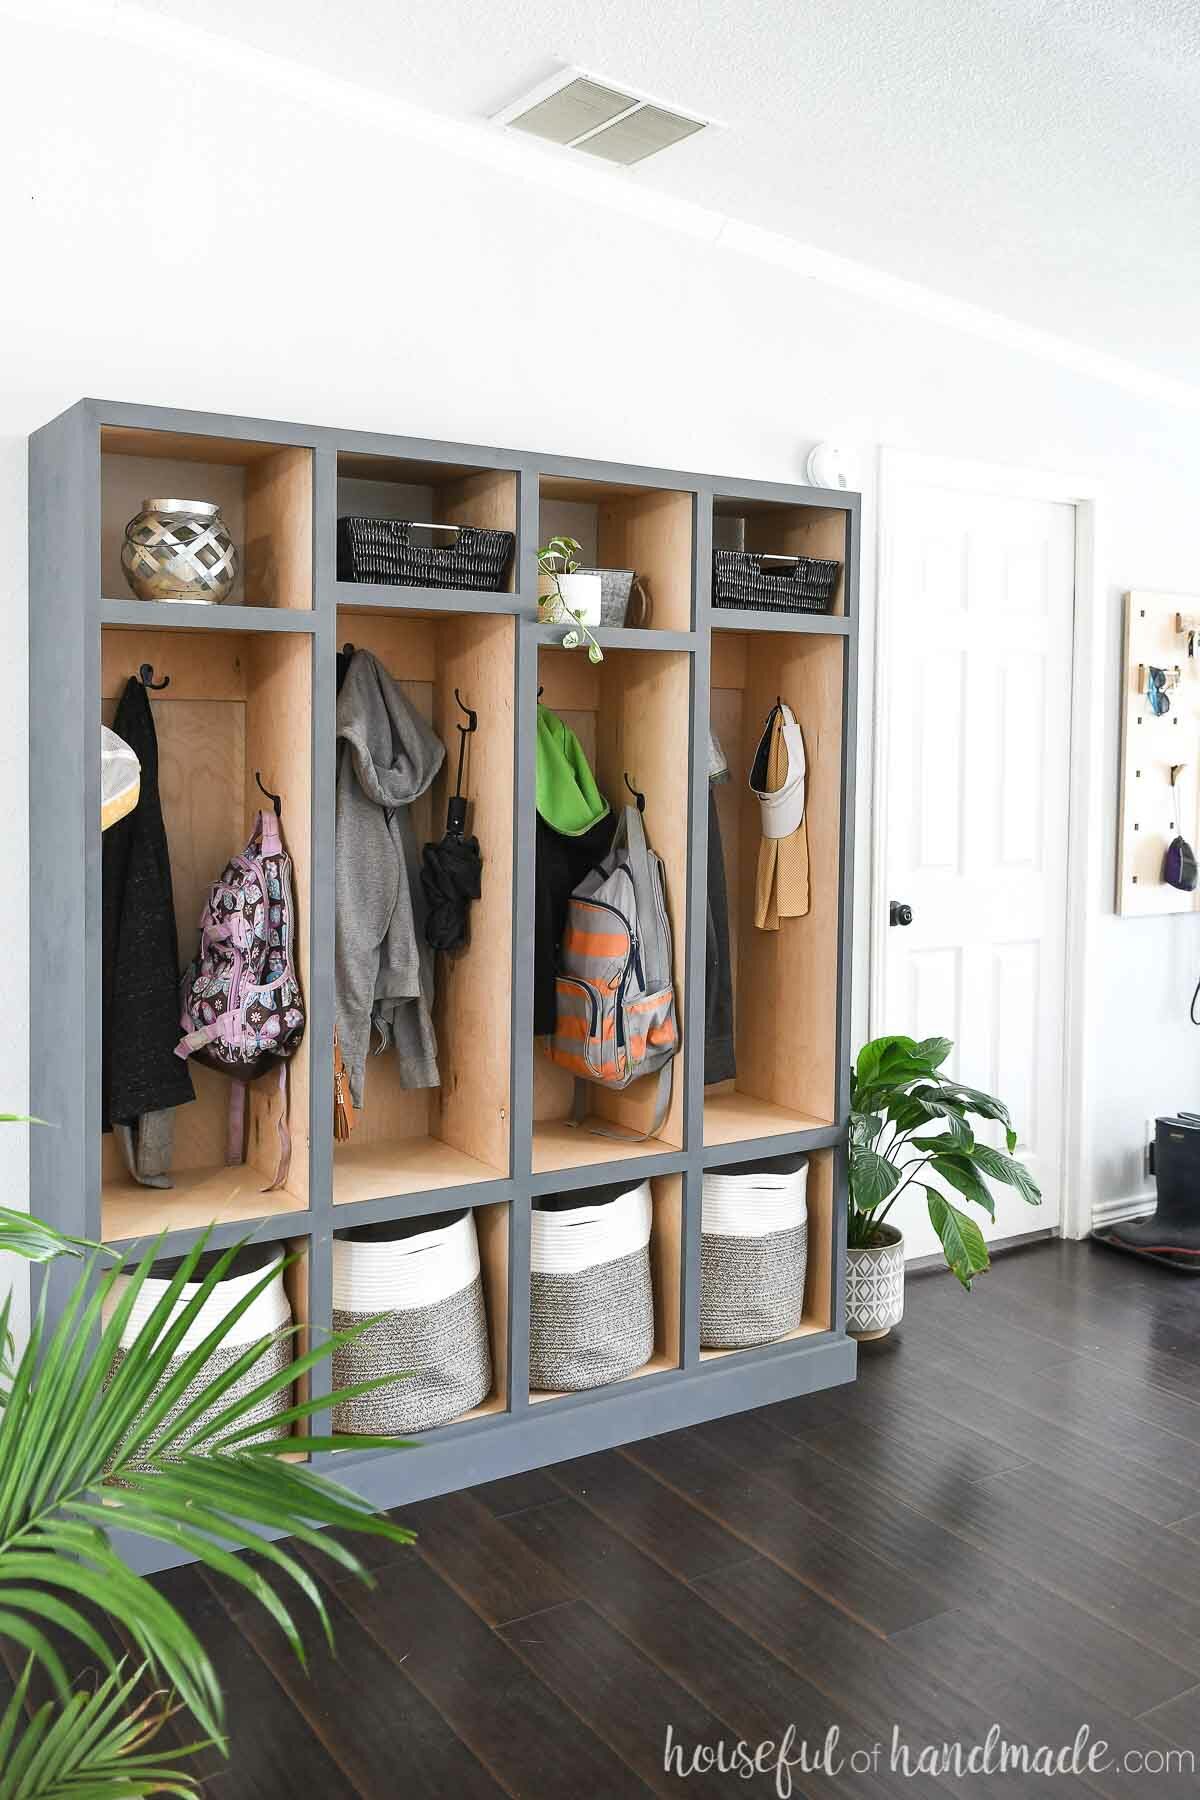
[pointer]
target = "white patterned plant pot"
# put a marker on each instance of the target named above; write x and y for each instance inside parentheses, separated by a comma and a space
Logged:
(267, 1316)
(875, 1286)
(753, 1252)
(423, 1274)
(591, 1313)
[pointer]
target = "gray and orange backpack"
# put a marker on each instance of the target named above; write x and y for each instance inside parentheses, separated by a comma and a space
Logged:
(615, 1016)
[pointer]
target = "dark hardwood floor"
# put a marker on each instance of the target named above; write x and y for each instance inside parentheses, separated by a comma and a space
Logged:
(997, 1525)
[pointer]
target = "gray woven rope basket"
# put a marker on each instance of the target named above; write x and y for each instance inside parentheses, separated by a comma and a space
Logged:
(753, 1251)
(751, 1289)
(593, 1327)
(423, 1275)
(273, 1361)
(591, 1312)
(268, 1313)
(441, 1350)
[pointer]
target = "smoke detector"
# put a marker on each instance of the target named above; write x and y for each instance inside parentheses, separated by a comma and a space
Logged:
(586, 112)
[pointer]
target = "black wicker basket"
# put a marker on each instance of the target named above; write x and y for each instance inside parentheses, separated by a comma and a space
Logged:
(383, 550)
(750, 581)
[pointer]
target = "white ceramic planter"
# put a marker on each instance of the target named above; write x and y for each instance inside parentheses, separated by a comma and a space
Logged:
(582, 597)
(875, 1287)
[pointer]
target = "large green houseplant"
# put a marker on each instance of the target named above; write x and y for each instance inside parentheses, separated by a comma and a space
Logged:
(89, 1444)
(909, 1121)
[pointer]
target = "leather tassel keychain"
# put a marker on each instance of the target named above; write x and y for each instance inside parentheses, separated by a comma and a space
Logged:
(344, 1116)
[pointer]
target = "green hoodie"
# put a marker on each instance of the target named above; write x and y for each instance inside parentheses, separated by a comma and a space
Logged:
(567, 796)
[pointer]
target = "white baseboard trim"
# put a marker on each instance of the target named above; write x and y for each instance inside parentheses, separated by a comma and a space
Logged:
(1130, 1206)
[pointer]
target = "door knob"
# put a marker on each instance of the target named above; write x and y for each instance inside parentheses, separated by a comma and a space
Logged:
(899, 912)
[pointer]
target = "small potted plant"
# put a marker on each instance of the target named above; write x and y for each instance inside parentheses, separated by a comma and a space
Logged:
(568, 596)
(906, 1118)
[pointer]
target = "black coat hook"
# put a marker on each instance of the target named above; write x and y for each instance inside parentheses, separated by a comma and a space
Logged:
(275, 799)
(146, 677)
(464, 732)
(637, 794)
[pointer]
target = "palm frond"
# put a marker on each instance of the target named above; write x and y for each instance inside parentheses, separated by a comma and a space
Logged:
(158, 1440)
(99, 1746)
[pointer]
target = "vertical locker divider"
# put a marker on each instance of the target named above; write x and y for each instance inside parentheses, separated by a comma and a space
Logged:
(320, 996)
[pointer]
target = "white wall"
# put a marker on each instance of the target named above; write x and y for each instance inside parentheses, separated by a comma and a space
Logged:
(221, 236)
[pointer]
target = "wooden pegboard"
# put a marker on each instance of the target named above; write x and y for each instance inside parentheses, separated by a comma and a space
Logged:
(1152, 811)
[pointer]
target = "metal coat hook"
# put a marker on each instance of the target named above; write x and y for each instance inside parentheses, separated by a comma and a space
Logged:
(464, 732)
(275, 799)
(146, 677)
(637, 794)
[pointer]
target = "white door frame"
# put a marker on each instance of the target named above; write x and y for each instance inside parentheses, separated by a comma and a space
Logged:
(898, 468)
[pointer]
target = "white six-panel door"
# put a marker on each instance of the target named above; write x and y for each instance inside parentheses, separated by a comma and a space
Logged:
(979, 595)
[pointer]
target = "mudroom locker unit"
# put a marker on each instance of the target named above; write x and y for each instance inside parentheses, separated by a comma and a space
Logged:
(252, 693)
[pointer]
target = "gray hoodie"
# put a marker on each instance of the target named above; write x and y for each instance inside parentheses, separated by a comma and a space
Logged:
(387, 756)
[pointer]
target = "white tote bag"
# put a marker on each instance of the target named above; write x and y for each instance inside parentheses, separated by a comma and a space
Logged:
(753, 1252)
(591, 1318)
(424, 1275)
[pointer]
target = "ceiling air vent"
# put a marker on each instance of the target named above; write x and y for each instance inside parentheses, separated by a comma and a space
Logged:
(583, 113)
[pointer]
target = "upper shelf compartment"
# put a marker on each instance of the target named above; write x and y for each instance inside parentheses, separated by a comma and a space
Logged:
(646, 531)
(782, 529)
(264, 492)
(440, 501)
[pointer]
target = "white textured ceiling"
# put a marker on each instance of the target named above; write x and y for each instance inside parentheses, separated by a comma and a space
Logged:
(1035, 157)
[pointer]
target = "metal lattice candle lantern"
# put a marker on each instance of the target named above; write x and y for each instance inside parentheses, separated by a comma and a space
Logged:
(179, 550)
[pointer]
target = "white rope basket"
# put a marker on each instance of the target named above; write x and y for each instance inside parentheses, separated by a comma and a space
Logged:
(424, 1275)
(753, 1252)
(591, 1298)
(268, 1316)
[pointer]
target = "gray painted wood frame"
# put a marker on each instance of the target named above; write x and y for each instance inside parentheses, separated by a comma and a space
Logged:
(67, 611)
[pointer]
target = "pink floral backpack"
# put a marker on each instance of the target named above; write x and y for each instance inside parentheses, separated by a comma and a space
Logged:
(241, 1006)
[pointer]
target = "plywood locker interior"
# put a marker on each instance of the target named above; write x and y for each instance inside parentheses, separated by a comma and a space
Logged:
(264, 492)
(666, 1276)
(648, 530)
(631, 716)
(785, 982)
(237, 702)
(409, 1140)
(385, 487)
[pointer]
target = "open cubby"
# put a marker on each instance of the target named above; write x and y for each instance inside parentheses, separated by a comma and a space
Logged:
(237, 702)
(390, 487)
(780, 528)
(818, 1279)
(785, 982)
(666, 1275)
(410, 1140)
(619, 526)
(630, 714)
(252, 687)
(265, 492)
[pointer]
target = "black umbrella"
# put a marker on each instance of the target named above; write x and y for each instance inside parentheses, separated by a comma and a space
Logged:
(451, 870)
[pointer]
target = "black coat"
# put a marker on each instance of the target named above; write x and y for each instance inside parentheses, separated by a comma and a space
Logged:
(562, 863)
(140, 952)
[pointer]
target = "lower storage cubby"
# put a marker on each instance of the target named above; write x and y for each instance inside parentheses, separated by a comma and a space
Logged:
(781, 983)
(236, 704)
(753, 1244)
(407, 1139)
(605, 1285)
(440, 1282)
(630, 717)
